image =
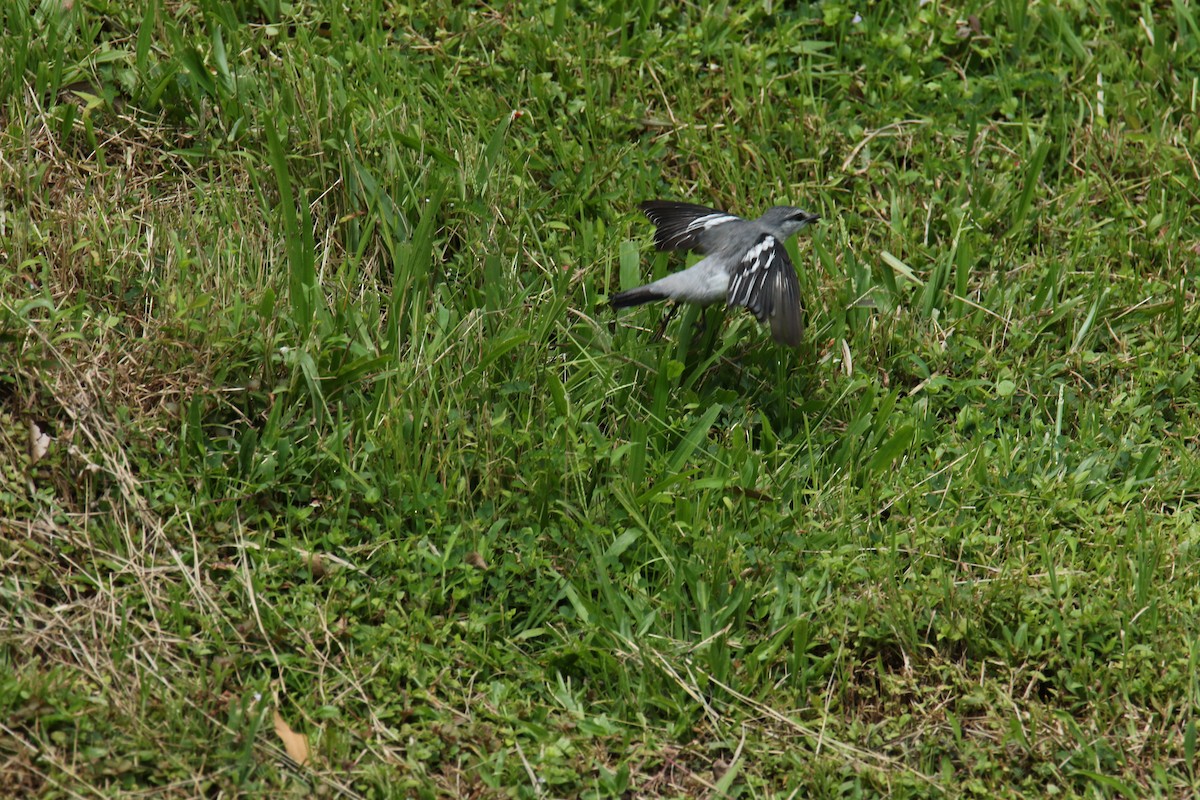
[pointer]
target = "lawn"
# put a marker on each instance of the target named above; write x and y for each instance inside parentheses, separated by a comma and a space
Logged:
(325, 467)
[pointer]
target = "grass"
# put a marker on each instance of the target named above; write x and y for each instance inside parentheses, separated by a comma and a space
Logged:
(312, 404)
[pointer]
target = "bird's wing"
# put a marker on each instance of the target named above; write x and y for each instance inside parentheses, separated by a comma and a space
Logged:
(765, 282)
(683, 226)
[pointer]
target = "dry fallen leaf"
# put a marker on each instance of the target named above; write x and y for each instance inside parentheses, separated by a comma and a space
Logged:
(296, 744)
(316, 564)
(39, 443)
(476, 560)
(323, 564)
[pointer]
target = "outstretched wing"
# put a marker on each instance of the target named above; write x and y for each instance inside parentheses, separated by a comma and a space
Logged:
(765, 282)
(684, 226)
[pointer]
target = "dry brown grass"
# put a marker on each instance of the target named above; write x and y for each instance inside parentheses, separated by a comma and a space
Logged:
(102, 361)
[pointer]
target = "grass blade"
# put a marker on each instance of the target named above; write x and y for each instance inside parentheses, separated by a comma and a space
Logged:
(301, 249)
(694, 437)
(1032, 174)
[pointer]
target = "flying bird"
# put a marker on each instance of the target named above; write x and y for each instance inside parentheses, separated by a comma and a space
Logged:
(745, 263)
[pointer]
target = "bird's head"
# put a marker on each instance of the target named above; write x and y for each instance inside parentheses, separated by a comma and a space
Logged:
(789, 220)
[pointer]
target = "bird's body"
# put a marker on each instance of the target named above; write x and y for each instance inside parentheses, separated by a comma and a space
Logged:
(745, 263)
(704, 283)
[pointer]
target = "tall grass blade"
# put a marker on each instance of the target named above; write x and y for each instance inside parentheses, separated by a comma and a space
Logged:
(411, 276)
(491, 154)
(1032, 174)
(694, 437)
(300, 247)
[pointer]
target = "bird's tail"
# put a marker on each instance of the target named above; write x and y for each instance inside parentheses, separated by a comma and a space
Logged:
(636, 297)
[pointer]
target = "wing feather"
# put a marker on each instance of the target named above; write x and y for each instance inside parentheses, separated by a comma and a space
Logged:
(765, 282)
(683, 226)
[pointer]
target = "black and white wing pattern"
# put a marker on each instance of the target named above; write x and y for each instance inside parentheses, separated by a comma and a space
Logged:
(684, 226)
(765, 282)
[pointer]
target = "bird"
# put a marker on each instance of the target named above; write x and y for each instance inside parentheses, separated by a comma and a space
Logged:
(745, 263)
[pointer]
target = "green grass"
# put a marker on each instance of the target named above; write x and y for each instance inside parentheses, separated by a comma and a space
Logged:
(310, 300)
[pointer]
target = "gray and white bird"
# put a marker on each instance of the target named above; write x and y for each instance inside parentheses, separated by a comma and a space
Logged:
(745, 263)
